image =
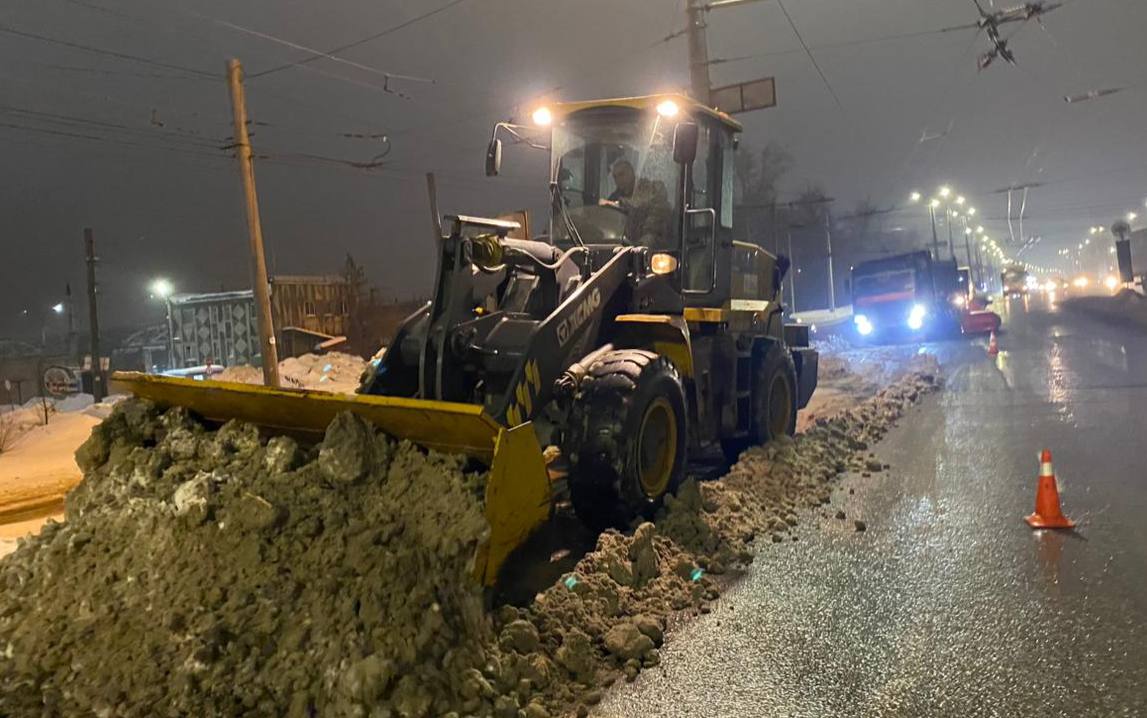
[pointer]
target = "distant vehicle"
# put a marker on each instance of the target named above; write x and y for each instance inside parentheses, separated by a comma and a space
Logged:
(907, 296)
(1014, 280)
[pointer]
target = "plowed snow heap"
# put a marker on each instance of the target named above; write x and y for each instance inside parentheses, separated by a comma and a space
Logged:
(206, 573)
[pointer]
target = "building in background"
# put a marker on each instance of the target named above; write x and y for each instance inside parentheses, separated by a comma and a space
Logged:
(212, 328)
(309, 311)
(222, 328)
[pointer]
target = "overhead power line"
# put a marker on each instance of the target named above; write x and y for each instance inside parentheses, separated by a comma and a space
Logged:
(369, 38)
(828, 46)
(319, 53)
(109, 53)
(810, 55)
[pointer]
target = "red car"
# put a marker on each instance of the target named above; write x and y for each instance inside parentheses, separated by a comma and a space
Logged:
(977, 319)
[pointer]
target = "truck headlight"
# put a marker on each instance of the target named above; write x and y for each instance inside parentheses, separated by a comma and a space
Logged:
(916, 316)
(863, 325)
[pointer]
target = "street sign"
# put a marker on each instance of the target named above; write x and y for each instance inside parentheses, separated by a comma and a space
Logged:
(1123, 254)
(105, 363)
(745, 96)
(61, 381)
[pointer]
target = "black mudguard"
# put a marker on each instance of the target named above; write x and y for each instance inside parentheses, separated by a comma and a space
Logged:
(806, 361)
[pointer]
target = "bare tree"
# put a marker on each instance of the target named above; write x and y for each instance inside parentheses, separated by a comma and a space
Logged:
(810, 206)
(357, 303)
(756, 178)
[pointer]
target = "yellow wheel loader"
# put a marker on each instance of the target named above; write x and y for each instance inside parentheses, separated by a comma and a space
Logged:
(635, 332)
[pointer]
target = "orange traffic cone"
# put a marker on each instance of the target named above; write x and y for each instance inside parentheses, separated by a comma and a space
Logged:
(1048, 514)
(993, 345)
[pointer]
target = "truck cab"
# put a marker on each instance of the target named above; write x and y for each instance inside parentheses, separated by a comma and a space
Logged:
(905, 297)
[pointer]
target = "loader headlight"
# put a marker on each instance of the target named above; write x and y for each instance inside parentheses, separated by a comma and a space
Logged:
(667, 108)
(916, 316)
(661, 263)
(863, 325)
(543, 117)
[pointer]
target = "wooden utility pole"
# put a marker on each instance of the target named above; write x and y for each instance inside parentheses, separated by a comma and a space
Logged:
(254, 228)
(99, 389)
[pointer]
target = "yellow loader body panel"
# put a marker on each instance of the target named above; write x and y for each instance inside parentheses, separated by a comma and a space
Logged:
(517, 489)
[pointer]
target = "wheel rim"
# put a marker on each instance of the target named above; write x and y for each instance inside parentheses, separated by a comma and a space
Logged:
(780, 406)
(656, 447)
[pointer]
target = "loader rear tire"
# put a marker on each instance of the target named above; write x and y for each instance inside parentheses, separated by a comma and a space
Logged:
(774, 402)
(626, 438)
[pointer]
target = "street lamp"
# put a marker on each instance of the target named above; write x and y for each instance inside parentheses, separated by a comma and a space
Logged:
(58, 308)
(945, 191)
(1131, 216)
(161, 288)
(914, 197)
(960, 200)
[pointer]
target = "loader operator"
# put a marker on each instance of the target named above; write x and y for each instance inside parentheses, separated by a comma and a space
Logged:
(645, 203)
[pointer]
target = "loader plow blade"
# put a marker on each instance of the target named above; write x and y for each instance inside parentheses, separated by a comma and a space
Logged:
(517, 490)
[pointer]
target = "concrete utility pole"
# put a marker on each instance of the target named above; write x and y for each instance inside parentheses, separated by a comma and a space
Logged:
(948, 221)
(695, 13)
(699, 84)
(935, 237)
(828, 241)
(70, 307)
(254, 227)
(99, 389)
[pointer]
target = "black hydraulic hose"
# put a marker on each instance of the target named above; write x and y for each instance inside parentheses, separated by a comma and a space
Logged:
(552, 267)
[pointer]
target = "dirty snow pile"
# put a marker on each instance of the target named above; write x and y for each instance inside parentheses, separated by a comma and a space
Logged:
(335, 372)
(605, 620)
(1125, 306)
(207, 573)
(210, 573)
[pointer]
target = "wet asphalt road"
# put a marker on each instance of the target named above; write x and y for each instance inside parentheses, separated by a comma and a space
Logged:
(949, 605)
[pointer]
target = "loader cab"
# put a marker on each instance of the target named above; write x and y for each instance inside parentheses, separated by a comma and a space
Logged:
(622, 178)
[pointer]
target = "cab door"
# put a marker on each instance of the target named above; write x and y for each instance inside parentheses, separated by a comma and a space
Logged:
(708, 221)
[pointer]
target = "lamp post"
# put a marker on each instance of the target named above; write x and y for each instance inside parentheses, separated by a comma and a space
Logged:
(932, 205)
(162, 289)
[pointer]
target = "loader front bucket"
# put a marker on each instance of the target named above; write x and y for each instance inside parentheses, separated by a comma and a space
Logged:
(517, 489)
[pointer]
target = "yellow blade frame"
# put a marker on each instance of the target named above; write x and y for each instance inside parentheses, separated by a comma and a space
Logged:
(517, 490)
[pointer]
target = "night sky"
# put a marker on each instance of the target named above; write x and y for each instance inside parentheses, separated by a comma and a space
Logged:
(130, 144)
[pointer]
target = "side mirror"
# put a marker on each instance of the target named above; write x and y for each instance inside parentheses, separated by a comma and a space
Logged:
(783, 265)
(685, 143)
(494, 157)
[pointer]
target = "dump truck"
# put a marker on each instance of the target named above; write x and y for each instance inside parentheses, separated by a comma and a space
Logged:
(905, 297)
(633, 334)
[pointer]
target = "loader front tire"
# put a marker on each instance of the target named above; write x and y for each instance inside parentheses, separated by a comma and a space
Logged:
(774, 402)
(626, 438)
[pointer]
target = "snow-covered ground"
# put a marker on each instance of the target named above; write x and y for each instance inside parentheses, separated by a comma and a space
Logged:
(824, 317)
(37, 460)
(334, 372)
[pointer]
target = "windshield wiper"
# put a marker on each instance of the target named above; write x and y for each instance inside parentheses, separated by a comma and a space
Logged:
(563, 215)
